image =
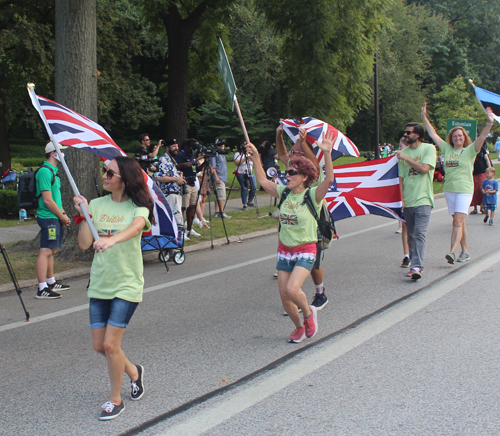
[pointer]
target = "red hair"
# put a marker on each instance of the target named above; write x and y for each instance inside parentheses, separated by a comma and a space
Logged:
(305, 167)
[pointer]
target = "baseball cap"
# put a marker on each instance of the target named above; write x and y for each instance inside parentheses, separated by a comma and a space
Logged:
(169, 142)
(50, 147)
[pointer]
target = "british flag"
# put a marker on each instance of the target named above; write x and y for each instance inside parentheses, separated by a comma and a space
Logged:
(290, 220)
(370, 187)
(72, 129)
(315, 129)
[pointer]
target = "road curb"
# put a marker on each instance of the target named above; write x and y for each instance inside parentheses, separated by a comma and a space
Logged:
(149, 256)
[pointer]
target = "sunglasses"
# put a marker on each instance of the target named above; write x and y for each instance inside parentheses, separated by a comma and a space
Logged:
(408, 132)
(292, 152)
(109, 173)
(292, 172)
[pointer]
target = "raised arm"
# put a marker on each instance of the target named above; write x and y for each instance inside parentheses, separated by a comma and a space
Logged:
(280, 146)
(260, 174)
(326, 147)
(482, 136)
(430, 130)
(308, 151)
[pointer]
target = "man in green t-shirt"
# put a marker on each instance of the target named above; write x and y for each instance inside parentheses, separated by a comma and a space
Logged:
(52, 219)
(416, 173)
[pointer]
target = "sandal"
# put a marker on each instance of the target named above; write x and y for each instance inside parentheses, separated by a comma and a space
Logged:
(474, 212)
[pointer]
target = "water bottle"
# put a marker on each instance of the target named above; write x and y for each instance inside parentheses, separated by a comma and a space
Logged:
(22, 214)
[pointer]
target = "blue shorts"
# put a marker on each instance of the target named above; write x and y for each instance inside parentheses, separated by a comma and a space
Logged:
(489, 206)
(290, 257)
(45, 242)
(115, 312)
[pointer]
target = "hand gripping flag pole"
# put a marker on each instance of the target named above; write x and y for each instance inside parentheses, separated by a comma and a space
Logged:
(34, 100)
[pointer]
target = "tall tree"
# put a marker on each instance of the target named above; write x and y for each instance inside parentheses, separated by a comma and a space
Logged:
(26, 55)
(181, 20)
(76, 88)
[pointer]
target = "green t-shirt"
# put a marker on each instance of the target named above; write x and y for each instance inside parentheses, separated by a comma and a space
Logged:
(417, 188)
(118, 271)
(458, 168)
(44, 183)
(297, 225)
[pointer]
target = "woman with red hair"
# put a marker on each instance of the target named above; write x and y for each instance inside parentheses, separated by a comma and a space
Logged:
(459, 156)
(298, 233)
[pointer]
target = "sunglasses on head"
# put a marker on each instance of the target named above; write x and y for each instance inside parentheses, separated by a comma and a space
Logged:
(109, 173)
(292, 152)
(292, 172)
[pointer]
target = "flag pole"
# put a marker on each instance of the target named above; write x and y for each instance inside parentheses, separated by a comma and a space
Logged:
(34, 100)
(242, 122)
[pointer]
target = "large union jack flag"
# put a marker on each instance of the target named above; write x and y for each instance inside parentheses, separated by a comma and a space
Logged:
(370, 187)
(315, 129)
(72, 129)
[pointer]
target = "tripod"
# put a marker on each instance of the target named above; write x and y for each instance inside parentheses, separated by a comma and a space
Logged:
(207, 175)
(14, 280)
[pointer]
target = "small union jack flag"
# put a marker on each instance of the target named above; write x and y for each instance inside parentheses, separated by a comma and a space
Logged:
(315, 129)
(290, 220)
(107, 233)
(370, 187)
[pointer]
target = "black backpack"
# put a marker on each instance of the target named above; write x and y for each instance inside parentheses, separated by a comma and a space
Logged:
(26, 191)
(326, 225)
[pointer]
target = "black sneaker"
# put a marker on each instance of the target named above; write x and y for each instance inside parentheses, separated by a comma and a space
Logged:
(319, 300)
(111, 410)
(138, 386)
(486, 217)
(406, 262)
(46, 293)
(58, 286)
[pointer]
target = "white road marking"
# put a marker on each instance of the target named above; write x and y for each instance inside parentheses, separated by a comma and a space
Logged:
(71, 310)
(269, 384)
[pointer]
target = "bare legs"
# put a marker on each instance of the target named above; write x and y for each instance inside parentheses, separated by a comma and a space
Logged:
(107, 341)
(45, 264)
(459, 233)
(292, 296)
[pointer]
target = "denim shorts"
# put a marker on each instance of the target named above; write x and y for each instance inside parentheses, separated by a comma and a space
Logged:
(45, 242)
(290, 257)
(115, 312)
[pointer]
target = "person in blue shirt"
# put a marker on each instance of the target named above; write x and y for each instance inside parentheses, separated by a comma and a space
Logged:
(497, 148)
(489, 189)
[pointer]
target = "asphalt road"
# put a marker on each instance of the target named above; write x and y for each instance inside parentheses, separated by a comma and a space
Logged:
(392, 356)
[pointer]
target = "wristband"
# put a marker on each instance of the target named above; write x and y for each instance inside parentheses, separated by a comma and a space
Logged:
(78, 219)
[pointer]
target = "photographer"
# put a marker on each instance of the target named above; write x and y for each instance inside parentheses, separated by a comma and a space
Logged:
(144, 154)
(219, 170)
(245, 176)
(170, 179)
(185, 162)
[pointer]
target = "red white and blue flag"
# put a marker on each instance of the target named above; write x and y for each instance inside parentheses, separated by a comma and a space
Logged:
(72, 129)
(315, 129)
(364, 188)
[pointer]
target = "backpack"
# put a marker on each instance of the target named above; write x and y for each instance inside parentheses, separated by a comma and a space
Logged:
(26, 191)
(326, 225)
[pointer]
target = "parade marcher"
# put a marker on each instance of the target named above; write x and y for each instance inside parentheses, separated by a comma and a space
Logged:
(298, 233)
(116, 277)
(481, 164)
(459, 155)
(416, 174)
(302, 148)
(52, 219)
(490, 189)
(405, 263)
(170, 179)
(144, 153)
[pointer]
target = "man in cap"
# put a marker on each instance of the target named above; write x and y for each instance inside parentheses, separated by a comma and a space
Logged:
(52, 219)
(170, 179)
(219, 171)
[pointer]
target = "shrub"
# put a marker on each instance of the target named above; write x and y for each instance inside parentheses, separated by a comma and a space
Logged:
(8, 201)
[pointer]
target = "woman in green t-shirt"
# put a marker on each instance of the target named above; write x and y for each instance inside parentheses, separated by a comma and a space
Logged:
(459, 156)
(298, 233)
(116, 278)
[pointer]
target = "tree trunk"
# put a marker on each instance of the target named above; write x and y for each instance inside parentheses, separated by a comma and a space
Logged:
(76, 88)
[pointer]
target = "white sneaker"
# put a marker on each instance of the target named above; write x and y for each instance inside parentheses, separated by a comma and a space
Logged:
(197, 221)
(186, 237)
(193, 232)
